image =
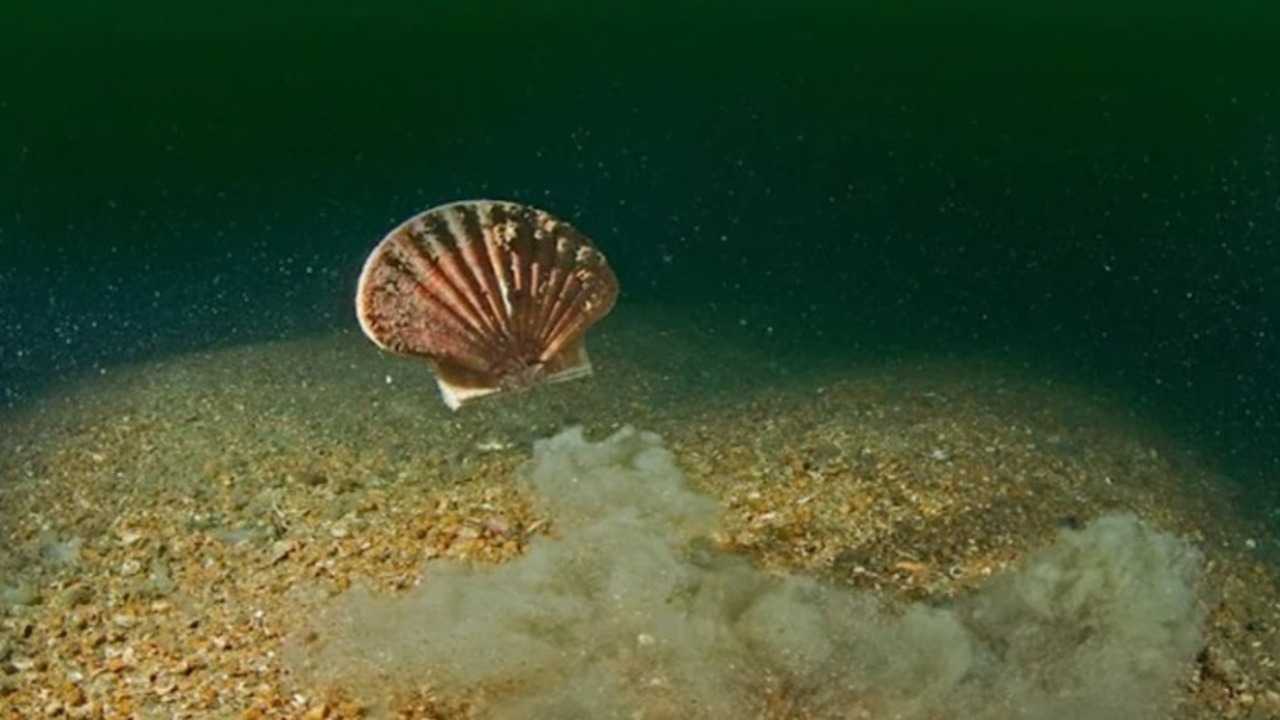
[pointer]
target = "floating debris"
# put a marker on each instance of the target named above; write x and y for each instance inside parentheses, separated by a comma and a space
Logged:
(495, 296)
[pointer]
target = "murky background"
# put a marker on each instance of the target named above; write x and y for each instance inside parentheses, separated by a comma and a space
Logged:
(1091, 188)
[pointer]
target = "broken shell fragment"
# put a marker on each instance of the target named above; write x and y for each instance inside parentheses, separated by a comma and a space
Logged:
(496, 296)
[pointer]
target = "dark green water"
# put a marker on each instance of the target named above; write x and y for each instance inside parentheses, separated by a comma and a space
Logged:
(1094, 190)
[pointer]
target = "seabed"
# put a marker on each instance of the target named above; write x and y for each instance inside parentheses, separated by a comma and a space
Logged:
(167, 529)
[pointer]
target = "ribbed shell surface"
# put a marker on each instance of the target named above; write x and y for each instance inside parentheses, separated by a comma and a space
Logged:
(488, 291)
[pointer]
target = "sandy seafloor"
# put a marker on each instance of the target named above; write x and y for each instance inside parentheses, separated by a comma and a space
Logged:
(165, 528)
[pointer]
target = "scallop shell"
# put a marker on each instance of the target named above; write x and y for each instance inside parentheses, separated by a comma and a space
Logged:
(495, 296)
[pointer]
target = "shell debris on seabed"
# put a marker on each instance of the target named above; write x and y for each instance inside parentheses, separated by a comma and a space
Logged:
(496, 296)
